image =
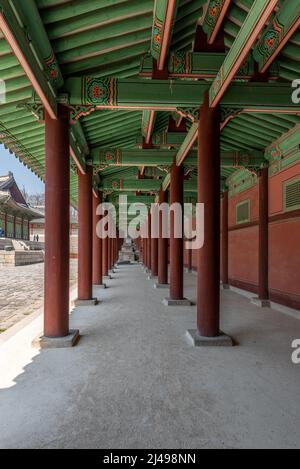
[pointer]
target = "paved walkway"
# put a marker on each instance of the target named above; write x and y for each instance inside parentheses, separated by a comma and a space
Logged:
(22, 292)
(134, 381)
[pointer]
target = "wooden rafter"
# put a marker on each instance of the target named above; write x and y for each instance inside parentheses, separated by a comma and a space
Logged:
(252, 26)
(148, 121)
(13, 29)
(163, 22)
(38, 61)
(214, 17)
(282, 27)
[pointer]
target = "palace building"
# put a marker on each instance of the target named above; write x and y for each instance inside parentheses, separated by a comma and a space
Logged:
(15, 213)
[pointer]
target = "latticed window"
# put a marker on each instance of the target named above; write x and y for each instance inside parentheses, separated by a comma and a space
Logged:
(243, 212)
(10, 226)
(2, 224)
(292, 195)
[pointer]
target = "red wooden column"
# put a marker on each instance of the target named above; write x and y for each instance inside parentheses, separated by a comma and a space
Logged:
(149, 243)
(85, 238)
(264, 237)
(112, 252)
(162, 247)
(57, 240)
(145, 254)
(97, 242)
(117, 247)
(143, 251)
(154, 257)
(190, 261)
(109, 253)
(176, 243)
(224, 216)
(209, 178)
(105, 257)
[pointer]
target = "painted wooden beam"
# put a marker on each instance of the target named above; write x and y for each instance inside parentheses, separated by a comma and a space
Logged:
(78, 147)
(131, 198)
(87, 94)
(135, 157)
(187, 144)
(214, 18)
(143, 185)
(148, 122)
(35, 54)
(165, 140)
(39, 38)
(282, 27)
(205, 65)
(163, 23)
(257, 17)
(13, 27)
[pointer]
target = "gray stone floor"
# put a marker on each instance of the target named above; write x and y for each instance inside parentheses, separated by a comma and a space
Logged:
(22, 291)
(134, 381)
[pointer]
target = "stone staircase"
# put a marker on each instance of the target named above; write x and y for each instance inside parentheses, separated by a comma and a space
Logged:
(20, 245)
(16, 252)
(127, 253)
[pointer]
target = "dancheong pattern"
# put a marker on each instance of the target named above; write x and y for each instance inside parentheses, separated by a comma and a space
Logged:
(52, 68)
(110, 156)
(271, 39)
(213, 13)
(99, 91)
(157, 36)
(181, 62)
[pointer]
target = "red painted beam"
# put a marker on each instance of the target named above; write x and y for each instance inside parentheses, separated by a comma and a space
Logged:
(243, 53)
(219, 22)
(10, 38)
(150, 127)
(166, 34)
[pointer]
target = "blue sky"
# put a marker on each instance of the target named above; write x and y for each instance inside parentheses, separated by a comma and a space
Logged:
(23, 176)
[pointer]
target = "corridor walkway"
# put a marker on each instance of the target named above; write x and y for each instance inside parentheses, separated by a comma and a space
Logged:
(134, 381)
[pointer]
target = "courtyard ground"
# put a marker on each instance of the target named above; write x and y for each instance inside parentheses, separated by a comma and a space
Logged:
(22, 292)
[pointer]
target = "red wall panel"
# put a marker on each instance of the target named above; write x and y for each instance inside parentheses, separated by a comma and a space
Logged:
(284, 262)
(243, 256)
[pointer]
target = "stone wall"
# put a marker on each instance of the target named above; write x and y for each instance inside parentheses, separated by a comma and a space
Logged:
(17, 258)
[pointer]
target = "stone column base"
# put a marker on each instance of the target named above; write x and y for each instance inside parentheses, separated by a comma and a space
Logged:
(102, 285)
(225, 286)
(44, 342)
(151, 277)
(91, 302)
(182, 302)
(197, 340)
(161, 285)
(261, 303)
(107, 277)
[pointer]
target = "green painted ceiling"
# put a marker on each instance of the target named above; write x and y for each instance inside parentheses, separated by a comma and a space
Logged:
(110, 38)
